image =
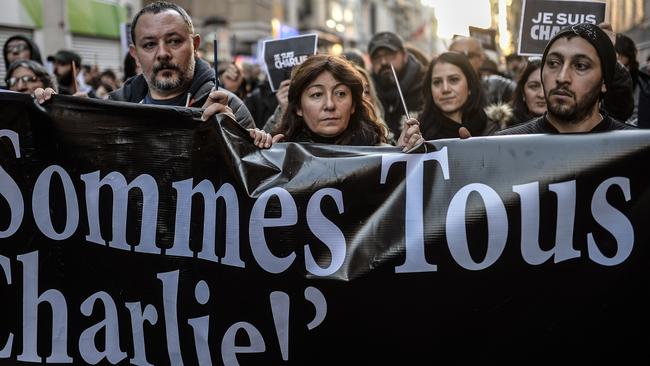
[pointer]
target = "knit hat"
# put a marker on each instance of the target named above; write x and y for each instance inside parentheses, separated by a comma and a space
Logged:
(597, 38)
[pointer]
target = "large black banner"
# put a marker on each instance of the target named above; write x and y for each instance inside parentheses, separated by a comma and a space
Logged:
(139, 235)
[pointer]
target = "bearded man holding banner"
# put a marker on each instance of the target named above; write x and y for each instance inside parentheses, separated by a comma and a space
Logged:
(578, 68)
(164, 46)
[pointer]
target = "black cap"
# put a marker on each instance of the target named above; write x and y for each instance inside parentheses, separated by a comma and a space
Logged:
(65, 57)
(388, 40)
(597, 38)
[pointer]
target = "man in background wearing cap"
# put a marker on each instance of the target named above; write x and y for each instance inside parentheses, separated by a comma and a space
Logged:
(63, 60)
(387, 48)
(577, 70)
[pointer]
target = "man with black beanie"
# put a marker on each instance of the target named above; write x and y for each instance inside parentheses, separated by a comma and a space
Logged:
(578, 68)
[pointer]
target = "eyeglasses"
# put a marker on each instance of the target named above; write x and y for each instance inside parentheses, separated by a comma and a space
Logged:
(25, 79)
(20, 47)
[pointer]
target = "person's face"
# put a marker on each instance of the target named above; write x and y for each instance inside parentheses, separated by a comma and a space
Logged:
(383, 58)
(534, 94)
(18, 49)
(24, 80)
(449, 88)
(62, 69)
(472, 49)
(165, 51)
(109, 80)
(326, 105)
(572, 79)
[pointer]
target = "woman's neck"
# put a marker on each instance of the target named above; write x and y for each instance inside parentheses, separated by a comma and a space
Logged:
(456, 116)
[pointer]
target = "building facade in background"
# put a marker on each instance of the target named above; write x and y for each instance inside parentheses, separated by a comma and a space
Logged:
(632, 17)
(90, 27)
(240, 25)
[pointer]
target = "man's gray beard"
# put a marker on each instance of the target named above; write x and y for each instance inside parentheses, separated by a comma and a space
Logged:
(171, 84)
(576, 113)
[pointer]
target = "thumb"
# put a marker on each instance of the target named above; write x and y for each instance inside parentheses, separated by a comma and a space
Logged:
(277, 138)
(463, 133)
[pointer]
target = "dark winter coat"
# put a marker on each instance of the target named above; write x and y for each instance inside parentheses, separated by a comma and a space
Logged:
(542, 125)
(135, 89)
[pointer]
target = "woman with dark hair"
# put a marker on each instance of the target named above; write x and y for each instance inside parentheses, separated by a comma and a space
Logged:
(326, 105)
(528, 99)
(453, 98)
(25, 76)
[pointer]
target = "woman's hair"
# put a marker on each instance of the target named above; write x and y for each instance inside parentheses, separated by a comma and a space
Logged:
(376, 103)
(38, 70)
(473, 115)
(625, 46)
(519, 107)
(363, 124)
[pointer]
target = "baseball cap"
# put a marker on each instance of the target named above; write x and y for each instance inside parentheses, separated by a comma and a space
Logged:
(65, 57)
(388, 40)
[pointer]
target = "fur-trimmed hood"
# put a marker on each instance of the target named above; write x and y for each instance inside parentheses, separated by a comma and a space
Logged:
(501, 114)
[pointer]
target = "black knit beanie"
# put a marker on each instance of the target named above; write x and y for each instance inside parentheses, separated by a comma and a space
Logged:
(597, 38)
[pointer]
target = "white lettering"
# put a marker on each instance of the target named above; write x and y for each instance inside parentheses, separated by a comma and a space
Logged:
(326, 231)
(258, 221)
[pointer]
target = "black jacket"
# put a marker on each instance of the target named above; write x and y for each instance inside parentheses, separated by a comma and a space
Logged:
(34, 51)
(411, 81)
(261, 102)
(643, 116)
(619, 99)
(541, 125)
(135, 89)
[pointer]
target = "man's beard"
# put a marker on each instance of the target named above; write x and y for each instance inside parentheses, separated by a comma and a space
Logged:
(385, 77)
(178, 79)
(576, 112)
(65, 80)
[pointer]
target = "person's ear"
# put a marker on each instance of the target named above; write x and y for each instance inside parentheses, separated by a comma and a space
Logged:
(196, 41)
(603, 88)
(354, 106)
(134, 55)
(299, 111)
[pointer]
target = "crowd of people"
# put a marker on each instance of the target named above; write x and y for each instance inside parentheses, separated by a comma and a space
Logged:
(587, 80)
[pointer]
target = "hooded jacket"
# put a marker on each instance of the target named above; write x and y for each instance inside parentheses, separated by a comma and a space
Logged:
(643, 84)
(33, 49)
(136, 88)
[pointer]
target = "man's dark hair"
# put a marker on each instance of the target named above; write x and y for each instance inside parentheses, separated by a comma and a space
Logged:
(625, 46)
(159, 7)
